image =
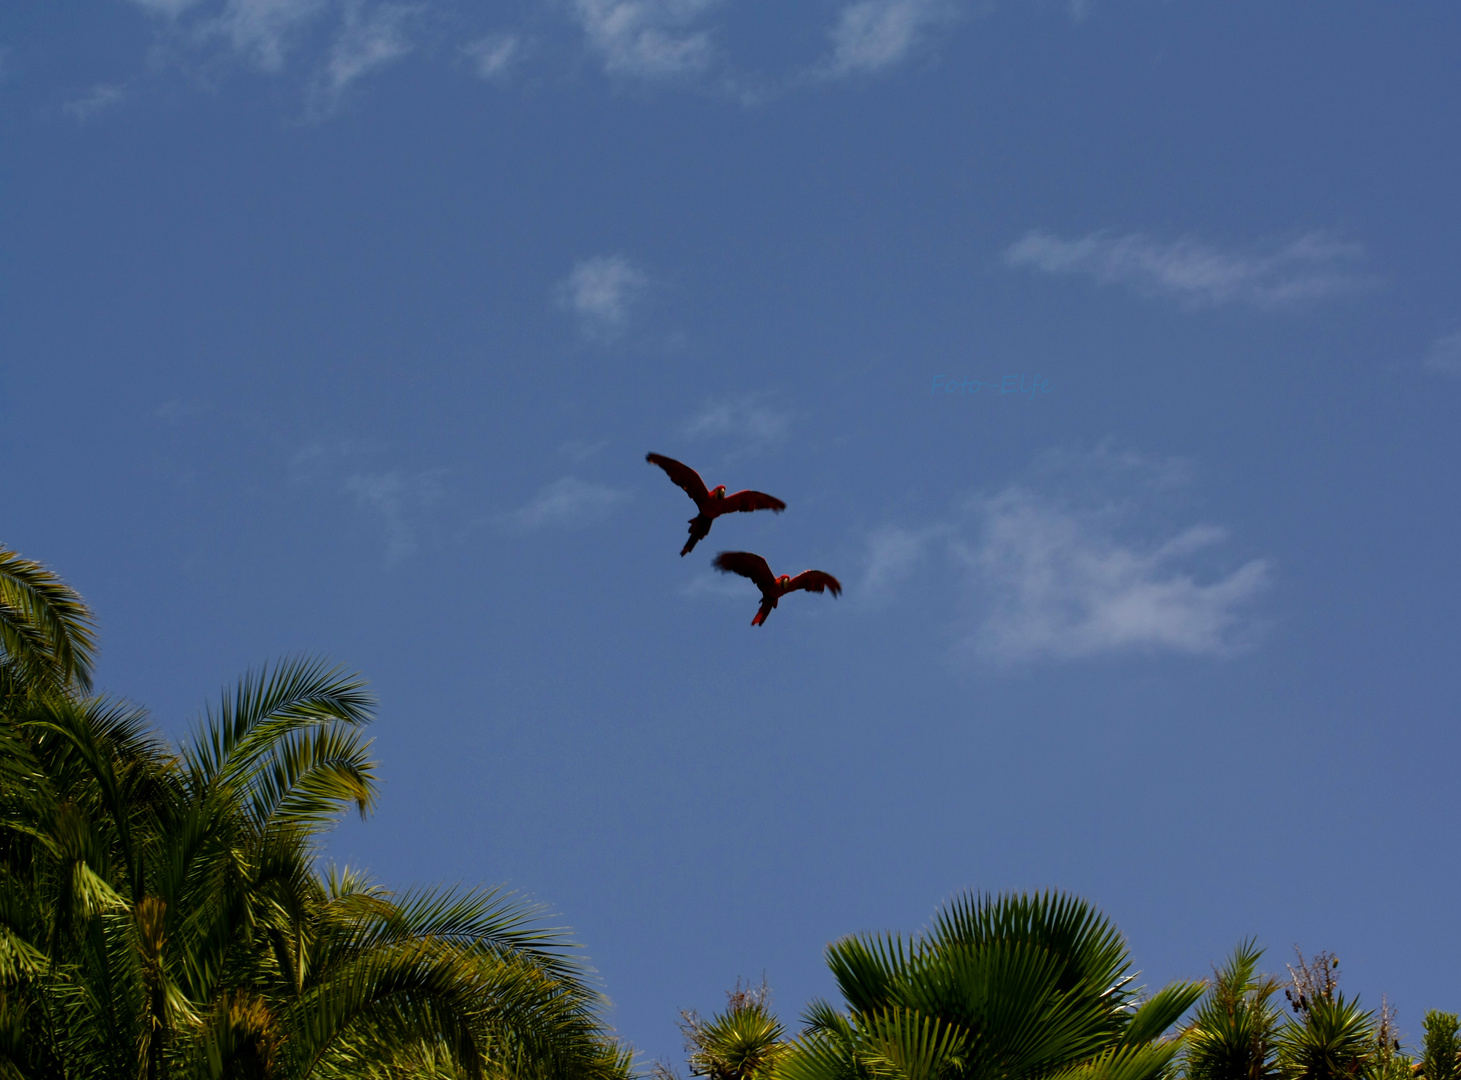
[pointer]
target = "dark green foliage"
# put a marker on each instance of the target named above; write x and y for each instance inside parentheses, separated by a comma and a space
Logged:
(162, 913)
(47, 636)
(1233, 1034)
(744, 1042)
(1439, 1060)
(1333, 1039)
(1001, 989)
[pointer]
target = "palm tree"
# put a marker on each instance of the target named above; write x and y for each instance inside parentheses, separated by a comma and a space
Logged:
(1233, 1034)
(162, 914)
(1335, 1040)
(1007, 988)
(47, 635)
(1329, 1038)
(744, 1042)
(1441, 1049)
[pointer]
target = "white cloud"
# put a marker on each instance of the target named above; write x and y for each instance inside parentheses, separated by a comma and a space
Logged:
(264, 30)
(99, 98)
(580, 450)
(600, 291)
(1055, 581)
(176, 410)
(874, 34)
(369, 39)
(646, 38)
(1313, 267)
(494, 55)
(755, 425)
(319, 460)
(169, 8)
(1085, 557)
(716, 585)
(398, 498)
(893, 553)
(1445, 354)
(565, 502)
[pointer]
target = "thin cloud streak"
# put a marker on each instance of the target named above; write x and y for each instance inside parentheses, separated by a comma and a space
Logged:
(893, 554)
(263, 31)
(1057, 583)
(755, 426)
(99, 98)
(494, 56)
(1314, 267)
(1445, 354)
(370, 39)
(646, 39)
(653, 41)
(397, 497)
(567, 502)
(872, 35)
(601, 291)
(1069, 564)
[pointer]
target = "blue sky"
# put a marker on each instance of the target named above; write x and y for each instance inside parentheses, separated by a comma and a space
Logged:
(344, 327)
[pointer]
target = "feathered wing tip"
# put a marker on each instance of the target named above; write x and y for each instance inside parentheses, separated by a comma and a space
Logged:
(815, 581)
(749, 565)
(684, 477)
(699, 530)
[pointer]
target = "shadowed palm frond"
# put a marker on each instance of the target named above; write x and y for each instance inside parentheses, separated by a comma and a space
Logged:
(265, 707)
(1152, 1061)
(1007, 988)
(1156, 1014)
(310, 777)
(47, 633)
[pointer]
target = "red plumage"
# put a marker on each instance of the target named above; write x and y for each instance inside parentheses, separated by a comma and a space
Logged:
(711, 504)
(750, 565)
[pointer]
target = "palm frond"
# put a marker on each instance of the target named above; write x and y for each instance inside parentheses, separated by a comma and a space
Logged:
(265, 706)
(46, 630)
(1159, 1012)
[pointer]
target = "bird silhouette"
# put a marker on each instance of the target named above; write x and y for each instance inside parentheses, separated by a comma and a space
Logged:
(752, 566)
(711, 504)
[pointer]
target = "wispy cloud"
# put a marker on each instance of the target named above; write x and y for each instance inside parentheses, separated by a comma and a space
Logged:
(1313, 267)
(668, 42)
(748, 421)
(176, 410)
(370, 38)
(580, 450)
(871, 35)
(495, 55)
(1081, 558)
(1057, 582)
(357, 37)
(398, 498)
(169, 8)
(893, 553)
(647, 39)
(567, 502)
(1445, 354)
(99, 98)
(722, 586)
(263, 31)
(600, 291)
(320, 460)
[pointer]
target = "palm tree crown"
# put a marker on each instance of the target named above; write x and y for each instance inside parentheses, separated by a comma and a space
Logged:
(1007, 988)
